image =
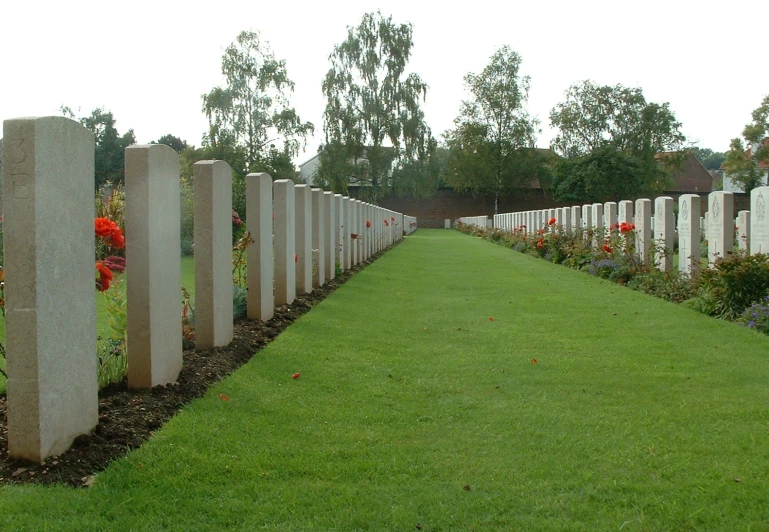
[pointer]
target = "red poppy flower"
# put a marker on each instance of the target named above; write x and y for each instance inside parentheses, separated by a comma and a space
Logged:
(104, 227)
(387, 223)
(296, 376)
(116, 239)
(632, 227)
(392, 218)
(368, 223)
(551, 221)
(540, 242)
(607, 248)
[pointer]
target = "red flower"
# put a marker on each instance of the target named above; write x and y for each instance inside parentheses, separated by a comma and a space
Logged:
(368, 223)
(104, 227)
(105, 276)
(223, 397)
(540, 242)
(296, 376)
(551, 221)
(386, 222)
(116, 239)
(392, 218)
(607, 248)
(632, 227)
(523, 226)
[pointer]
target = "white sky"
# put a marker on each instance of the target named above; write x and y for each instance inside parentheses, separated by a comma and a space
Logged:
(150, 62)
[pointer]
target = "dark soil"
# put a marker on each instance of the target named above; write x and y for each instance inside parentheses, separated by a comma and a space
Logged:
(127, 418)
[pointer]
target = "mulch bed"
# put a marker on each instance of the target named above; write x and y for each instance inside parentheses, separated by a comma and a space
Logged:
(127, 418)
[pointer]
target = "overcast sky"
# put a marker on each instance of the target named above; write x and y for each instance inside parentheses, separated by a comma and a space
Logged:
(150, 62)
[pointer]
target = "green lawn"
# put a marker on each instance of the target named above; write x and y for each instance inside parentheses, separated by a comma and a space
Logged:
(419, 404)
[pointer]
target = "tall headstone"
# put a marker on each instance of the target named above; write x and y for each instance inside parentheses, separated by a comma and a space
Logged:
(759, 220)
(318, 238)
(664, 232)
(347, 245)
(625, 212)
(303, 240)
(285, 246)
(566, 218)
(260, 299)
(339, 227)
(643, 230)
(48, 169)
(576, 217)
(688, 233)
(212, 207)
(587, 216)
(721, 225)
(154, 274)
(743, 230)
(610, 214)
(330, 208)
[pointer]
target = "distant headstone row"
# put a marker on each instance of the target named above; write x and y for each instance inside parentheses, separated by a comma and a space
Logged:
(301, 236)
(655, 223)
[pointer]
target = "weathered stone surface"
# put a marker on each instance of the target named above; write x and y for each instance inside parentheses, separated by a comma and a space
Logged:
(260, 255)
(643, 231)
(576, 217)
(303, 240)
(688, 232)
(759, 220)
(664, 232)
(330, 207)
(720, 225)
(318, 238)
(213, 254)
(48, 168)
(610, 213)
(339, 227)
(153, 255)
(347, 245)
(284, 230)
(743, 230)
(625, 212)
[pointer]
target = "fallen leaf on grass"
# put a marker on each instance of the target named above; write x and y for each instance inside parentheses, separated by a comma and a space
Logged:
(296, 376)
(466, 487)
(223, 397)
(534, 361)
(737, 480)
(491, 319)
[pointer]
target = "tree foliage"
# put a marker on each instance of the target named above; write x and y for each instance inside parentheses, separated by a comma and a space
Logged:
(109, 158)
(250, 116)
(711, 160)
(373, 115)
(593, 122)
(177, 144)
(742, 164)
(490, 147)
(421, 176)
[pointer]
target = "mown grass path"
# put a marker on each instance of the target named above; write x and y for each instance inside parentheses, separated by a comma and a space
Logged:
(419, 405)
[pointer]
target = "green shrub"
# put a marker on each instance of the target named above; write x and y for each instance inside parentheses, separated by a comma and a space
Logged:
(671, 286)
(733, 284)
(757, 316)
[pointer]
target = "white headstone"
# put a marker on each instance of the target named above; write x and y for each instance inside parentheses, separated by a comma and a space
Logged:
(759, 220)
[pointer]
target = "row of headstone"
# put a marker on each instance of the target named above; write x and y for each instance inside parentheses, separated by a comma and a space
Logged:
(477, 221)
(300, 236)
(717, 226)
